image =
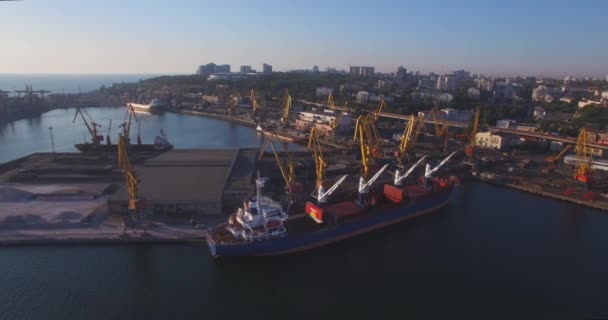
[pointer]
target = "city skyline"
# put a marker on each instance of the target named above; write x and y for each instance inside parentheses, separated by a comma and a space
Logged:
(69, 37)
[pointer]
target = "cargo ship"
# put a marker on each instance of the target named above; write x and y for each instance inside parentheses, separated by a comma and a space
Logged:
(262, 228)
(155, 106)
(161, 144)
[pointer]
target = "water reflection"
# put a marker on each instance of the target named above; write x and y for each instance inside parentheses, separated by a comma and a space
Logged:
(26, 136)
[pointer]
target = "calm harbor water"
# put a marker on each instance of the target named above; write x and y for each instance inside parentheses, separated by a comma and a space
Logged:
(492, 253)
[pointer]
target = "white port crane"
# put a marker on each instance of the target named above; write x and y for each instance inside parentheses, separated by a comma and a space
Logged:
(399, 178)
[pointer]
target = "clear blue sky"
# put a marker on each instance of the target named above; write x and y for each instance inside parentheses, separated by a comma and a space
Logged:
(537, 37)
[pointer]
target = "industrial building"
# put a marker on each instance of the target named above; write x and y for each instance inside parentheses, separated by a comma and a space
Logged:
(192, 182)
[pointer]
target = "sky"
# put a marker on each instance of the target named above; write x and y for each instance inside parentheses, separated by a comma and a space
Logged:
(515, 37)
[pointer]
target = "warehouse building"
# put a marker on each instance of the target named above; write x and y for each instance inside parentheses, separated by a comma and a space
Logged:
(192, 182)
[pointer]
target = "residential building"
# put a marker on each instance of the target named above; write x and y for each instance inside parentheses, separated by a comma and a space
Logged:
(266, 68)
(246, 69)
(506, 124)
(385, 83)
(377, 98)
(426, 84)
(362, 96)
(210, 68)
(222, 68)
(362, 71)
(503, 89)
(491, 140)
(322, 121)
(315, 69)
(324, 92)
(346, 88)
(541, 92)
(585, 103)
(460, 75)
(401, 73)
(528, 127)
(539, 113)
(230, 76)
(443, 97)
(604, 95)
(473, 93)
(446, 83)
(458, 115)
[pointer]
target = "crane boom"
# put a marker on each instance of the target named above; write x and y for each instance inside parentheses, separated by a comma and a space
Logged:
(583, 157)
(365, 185)
(378, 110)
(129, 173)
(286, 108)
(91, 124)
(323, 195)
(475, 126)
(399, 178)
(429, 171)
(330, 102)
(254, 103)
(405, 138)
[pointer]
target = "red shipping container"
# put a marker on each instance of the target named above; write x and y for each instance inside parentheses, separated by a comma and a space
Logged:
(393, 193)
(314, 212)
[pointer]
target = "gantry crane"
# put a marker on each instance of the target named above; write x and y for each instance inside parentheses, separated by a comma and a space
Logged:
(314, 144)
(584, 157)
(90, 124)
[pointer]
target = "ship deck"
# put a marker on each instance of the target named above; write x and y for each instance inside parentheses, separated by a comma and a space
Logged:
(338, 213)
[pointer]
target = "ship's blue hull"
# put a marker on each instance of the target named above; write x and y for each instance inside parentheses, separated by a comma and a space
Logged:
(314, 239)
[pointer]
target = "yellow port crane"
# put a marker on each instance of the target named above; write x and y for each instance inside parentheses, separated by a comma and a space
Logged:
(287, 168)
(584, 156)
(254, 102)
(475, 127)
(376, 114)
(419, 128)
(338, 117)
(330, 102)
(314, 145)
(286, 108)
(404, 144)
(369, 140)
(90, 124)
(553, 160)
(470, 147)
(126, 122)
(441, 132)
(132, 182)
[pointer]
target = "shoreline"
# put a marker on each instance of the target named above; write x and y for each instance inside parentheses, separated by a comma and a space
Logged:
(537, 190)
